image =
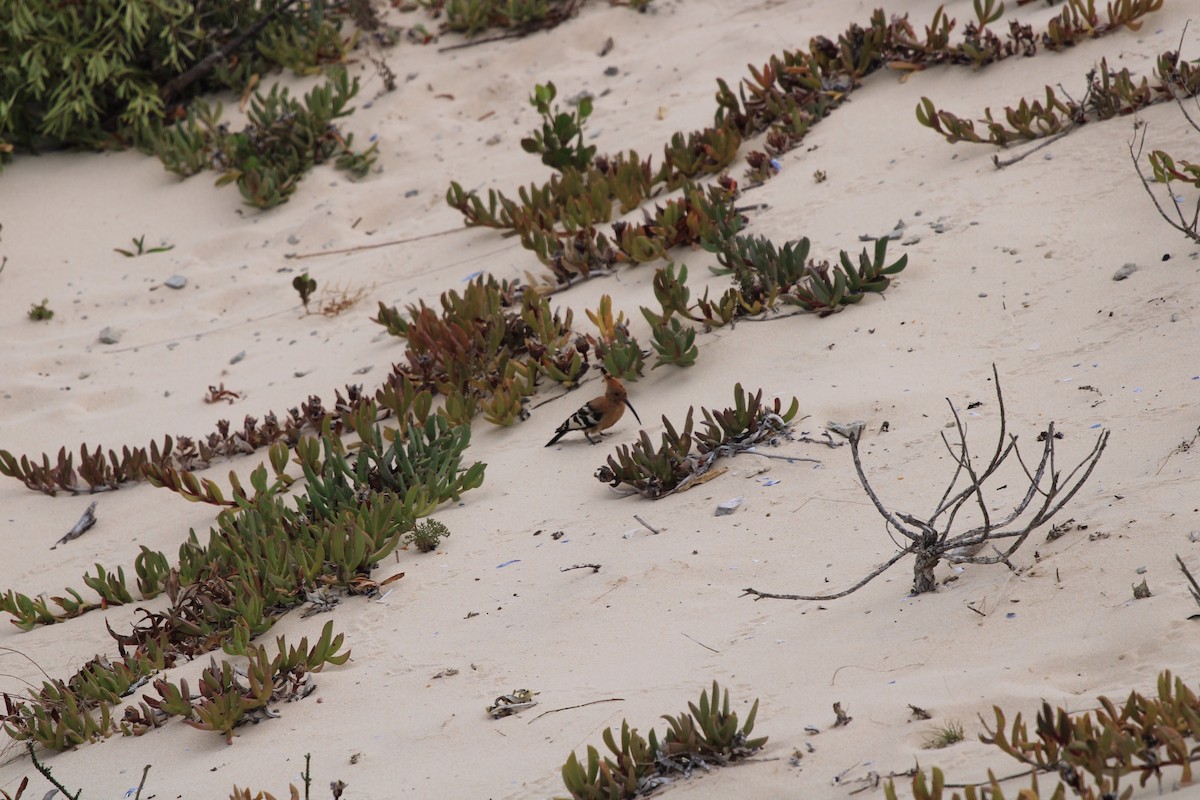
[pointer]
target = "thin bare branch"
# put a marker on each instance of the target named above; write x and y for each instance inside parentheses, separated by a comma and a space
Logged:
(931, 546)
(822, 597)
(862, 478)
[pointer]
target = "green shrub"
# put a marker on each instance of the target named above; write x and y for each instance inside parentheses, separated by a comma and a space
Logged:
(104, 72)
(283, 139)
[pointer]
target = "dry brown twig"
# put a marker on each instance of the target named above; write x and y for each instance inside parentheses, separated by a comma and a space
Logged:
(218, 393)
(336, 299)
(930, 544)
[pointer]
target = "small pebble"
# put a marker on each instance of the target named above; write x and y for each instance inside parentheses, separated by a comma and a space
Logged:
(238, 357)
(110, 336)
(1141, 570)
(175, 282)
(293, 239)
(412, 193)
(611, 71)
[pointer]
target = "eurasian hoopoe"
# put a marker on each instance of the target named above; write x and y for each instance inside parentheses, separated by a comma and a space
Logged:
(599, 414)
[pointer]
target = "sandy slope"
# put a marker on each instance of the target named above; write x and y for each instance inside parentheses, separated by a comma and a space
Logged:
(1021, 277)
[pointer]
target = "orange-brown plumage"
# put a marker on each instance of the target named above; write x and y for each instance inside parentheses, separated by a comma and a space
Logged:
(598, 414)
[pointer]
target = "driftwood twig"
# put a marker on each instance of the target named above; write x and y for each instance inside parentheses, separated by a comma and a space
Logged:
(82, 526)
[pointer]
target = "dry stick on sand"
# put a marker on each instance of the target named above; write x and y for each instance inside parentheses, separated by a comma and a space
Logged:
(931, 545)
(82, 526)
(374, 245)
(647, 525)
(581, 705)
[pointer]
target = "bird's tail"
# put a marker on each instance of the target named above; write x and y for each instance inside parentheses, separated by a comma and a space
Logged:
(561, 432)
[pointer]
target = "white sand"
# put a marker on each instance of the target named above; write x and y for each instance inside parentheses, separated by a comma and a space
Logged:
(645, 628)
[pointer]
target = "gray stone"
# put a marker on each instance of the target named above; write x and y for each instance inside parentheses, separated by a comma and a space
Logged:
(1125, 271)
(110, 335)
(175, 282)
(238, 357)
(729, 506)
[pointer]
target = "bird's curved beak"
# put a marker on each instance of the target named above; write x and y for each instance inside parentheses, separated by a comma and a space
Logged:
(634, 410)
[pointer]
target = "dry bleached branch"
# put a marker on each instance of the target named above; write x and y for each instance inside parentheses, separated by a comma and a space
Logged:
(935, 538)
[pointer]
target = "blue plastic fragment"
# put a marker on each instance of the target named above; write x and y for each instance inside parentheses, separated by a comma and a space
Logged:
(1094, 426)
(1011, 615)
(473, 276)
(506, 563)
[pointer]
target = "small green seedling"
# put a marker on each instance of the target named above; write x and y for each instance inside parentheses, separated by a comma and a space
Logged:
(305, 286)
(944, 736)
(560, 141)
(140, 244)
(38, 312)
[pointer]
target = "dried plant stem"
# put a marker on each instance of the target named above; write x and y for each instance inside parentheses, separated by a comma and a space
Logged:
(375, 246)
(931, 544)
(1194, 587)
(45, 771)
(1188, 229)
(142, 783)
(1008, 162)
(580, 705)
(647, 525)
(872, 576)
